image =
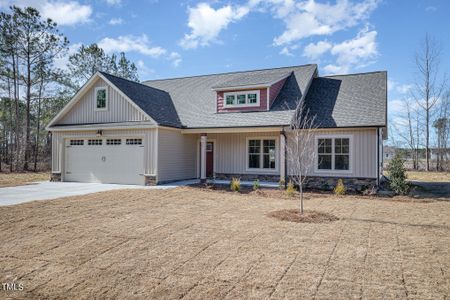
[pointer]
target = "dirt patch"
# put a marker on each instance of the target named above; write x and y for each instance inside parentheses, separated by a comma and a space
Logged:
(294, 215)
(206, 244)
(15, 179)
(428, 176)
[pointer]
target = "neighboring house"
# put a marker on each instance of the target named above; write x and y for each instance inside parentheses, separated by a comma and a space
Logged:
(220, 126)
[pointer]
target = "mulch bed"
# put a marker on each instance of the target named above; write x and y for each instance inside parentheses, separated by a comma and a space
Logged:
(294, 215)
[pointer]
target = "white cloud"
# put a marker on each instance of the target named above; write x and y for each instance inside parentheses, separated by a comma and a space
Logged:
(62, 12)
(143, 70)
(357, 52)
(396, 106)
(206, 23)
(175, 58)
(113, 2)
(62, 61)
(130, 43)
(287, 50)
(314, 51)
(308, 18)
(115, 21)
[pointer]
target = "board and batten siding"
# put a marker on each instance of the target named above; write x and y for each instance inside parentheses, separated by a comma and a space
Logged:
(177, 158)
(364, 153)
(149, 140)
(231, 152)
(119, 109)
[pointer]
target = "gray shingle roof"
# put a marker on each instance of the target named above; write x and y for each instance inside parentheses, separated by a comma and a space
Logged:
(195, 100)
(156, 103)
(254, 78)
(354, 100)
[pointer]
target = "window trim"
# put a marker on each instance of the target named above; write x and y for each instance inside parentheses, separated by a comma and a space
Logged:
(261, 158)
(333, 155)
(236, 93)
(106, 98)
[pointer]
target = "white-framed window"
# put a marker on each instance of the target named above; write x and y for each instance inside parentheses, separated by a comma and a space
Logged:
(113, 141)
(101, 98)
(262, 154)
(76, 142)
(134, 141)
(96, 142)
(334, 153)
(241, 99)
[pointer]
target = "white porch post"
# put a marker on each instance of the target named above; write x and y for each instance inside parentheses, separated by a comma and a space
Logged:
(282, 156)
(203, 139)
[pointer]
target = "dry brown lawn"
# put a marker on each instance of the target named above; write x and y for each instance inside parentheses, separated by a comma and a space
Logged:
(204, 244)
(15, 179)
(428, 176)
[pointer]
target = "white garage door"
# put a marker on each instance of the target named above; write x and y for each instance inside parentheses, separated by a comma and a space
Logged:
(105, 160)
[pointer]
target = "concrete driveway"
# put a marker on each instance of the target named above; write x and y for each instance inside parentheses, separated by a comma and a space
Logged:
(52, 190)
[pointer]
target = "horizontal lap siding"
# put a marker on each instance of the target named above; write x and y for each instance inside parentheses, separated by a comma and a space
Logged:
(177, 155)
(119, 109)
(363, 156)
(231, 152)
(150, 146)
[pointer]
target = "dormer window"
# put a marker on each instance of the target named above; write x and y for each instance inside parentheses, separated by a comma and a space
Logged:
(241, 99)
(101, 98)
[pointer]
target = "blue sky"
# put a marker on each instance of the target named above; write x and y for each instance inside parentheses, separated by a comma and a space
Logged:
(181, 38)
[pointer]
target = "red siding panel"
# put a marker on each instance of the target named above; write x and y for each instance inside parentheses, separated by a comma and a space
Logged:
(274, 90)
(262, 102)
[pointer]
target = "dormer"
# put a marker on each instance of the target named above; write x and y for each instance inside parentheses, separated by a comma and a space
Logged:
(249, 92)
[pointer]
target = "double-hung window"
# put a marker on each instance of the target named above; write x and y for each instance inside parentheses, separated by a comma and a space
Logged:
(262, 154)
(101, 98)
(333, 153)
(241, 99)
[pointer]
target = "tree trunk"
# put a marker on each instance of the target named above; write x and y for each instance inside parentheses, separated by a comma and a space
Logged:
(16, 104)
(28, 117)
(36, 153)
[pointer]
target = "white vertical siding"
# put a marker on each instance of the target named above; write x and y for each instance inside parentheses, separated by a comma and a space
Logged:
(364, 153)
(149, 136)
(119, 109)
(177, 155)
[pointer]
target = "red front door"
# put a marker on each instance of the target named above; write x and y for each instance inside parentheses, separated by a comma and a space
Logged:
(209, 159)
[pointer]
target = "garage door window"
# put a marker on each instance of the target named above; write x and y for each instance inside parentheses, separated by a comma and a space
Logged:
(95, 142)
(76, 142)
(113, 141)
(134, 141)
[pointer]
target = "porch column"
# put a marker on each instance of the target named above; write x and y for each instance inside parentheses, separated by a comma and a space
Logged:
(282, 156)
(203, 139)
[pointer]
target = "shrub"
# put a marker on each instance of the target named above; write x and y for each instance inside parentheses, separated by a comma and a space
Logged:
(290, 190)
(397, 176)
(281, 184)
(256, 185)
(340, 189)
(235, 184)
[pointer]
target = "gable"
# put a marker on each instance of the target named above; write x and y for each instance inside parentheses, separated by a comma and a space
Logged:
(119, 109)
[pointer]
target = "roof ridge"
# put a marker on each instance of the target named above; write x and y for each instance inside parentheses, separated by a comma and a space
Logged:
(135, 82)
(353, 74)
(225, 73)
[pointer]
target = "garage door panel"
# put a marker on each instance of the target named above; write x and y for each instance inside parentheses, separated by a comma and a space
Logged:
(104, 163)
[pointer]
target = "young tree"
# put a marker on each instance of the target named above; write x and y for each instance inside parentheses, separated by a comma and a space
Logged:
(300, 145)
(442, 126)
(429, 85)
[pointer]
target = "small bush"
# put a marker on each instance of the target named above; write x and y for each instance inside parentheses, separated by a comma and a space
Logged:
(397, 176)
(290, 190)
(281, 184)
(256, 185)
(235, 184)
(340, 189)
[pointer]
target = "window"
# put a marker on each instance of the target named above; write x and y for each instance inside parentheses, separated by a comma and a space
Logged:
(262, 154)
(76, 142)
(241, 99)
(101, 96)
(134, 141)
(95, 142)
(333, 153)
(113, 141)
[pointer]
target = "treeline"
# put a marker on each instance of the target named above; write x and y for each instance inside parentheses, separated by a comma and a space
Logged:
(33, 88)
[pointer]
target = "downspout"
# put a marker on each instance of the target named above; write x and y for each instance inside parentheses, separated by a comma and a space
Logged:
(378, 157)
(285, 157)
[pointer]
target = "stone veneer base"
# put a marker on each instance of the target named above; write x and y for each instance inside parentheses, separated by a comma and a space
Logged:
(150, 180)
(55, 177)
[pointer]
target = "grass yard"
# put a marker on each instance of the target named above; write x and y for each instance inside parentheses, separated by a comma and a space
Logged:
(194, 243)
(429, 176)
(15, 179)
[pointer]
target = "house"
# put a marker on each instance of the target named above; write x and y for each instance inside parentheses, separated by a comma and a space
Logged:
(220, 126)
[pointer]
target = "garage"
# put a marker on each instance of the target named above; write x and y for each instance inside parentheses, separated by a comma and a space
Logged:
(104, 160)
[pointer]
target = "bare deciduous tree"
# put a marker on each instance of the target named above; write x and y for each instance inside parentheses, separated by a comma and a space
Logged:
(300, 147)
(429, 84)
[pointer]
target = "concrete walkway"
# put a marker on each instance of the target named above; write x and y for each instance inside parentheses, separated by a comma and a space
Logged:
(51, 190)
